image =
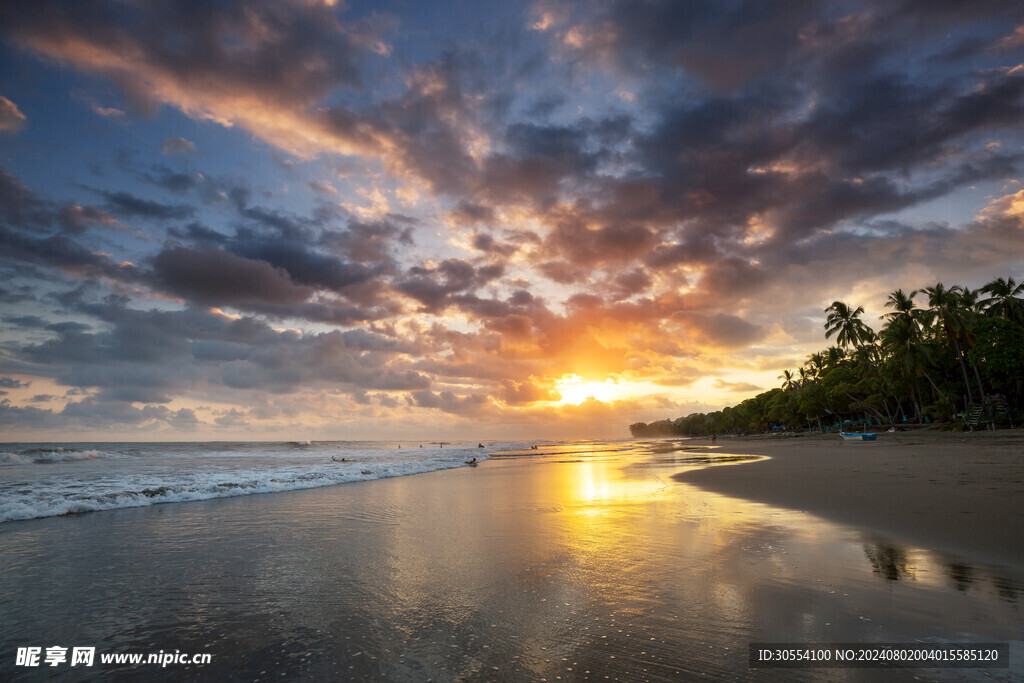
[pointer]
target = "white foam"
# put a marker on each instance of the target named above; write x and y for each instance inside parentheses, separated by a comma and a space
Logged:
(49, 455)
(155, 479)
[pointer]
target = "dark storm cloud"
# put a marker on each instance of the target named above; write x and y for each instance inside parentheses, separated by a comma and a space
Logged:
(303, 265)
(218, 277)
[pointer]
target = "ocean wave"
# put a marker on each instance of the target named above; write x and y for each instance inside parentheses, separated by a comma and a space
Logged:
(124, 490)
(48, 455)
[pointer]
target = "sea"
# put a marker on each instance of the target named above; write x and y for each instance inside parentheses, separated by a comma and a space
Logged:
(50, 479)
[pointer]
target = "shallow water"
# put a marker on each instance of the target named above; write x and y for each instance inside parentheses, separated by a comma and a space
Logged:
(582, 561)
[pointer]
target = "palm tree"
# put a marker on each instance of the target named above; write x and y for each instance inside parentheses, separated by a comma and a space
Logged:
(969, 301)
(788, 380)
(847, 325)
(902, 305)
(833, 356)
(901, 339)
(945, 307)
(1006, 300)
(816, 364)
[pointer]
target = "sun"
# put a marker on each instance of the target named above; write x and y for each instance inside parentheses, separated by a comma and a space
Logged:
(575, 390)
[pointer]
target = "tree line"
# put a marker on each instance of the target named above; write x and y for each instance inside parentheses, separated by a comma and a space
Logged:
(957, 357)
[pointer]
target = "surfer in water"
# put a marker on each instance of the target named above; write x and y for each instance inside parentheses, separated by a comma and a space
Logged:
(337, 460)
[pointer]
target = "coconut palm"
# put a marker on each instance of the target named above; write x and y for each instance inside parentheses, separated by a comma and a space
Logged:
(970, 301)
(901, 339)
(788, 380)
(845, 323)
(1006, 300)
(946, 310)
(902, 305)
(834, 356)
(816, 364)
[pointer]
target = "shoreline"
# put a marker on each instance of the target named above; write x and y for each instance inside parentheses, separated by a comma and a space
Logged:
(958, 492)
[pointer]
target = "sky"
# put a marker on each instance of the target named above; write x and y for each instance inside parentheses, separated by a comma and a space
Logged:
(302, 219)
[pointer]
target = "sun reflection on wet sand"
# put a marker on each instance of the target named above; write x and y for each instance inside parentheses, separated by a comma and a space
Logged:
(586, 561)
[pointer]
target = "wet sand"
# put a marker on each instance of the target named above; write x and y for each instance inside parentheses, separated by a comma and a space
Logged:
(959, 492)
(580, 561)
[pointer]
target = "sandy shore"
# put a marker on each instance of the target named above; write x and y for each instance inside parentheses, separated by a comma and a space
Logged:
(958, 492)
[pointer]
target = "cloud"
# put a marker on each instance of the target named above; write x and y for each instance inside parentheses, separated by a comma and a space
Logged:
(173, 146)
(737, 387)
(11, 118)
(526, 392)
(651, 193)
(66, 254)
(283, 59)
(77, 219)
(323, 188)
(221, 278)
(435, 287)
(21, 206)
(127, 204)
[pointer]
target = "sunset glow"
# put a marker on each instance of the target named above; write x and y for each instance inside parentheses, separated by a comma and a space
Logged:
(368, 219)
(575, 390)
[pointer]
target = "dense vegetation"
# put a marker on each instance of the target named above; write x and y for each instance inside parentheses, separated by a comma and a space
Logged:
(960, 361)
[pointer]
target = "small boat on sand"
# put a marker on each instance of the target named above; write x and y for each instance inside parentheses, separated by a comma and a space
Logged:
(849, 436)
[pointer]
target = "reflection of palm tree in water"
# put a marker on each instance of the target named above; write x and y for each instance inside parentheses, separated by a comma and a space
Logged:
(889, 561)
(965, 575)
(1009, 590)
(962, 575)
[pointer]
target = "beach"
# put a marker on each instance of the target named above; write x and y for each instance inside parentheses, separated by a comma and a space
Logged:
(962, 492)
(574, 561)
